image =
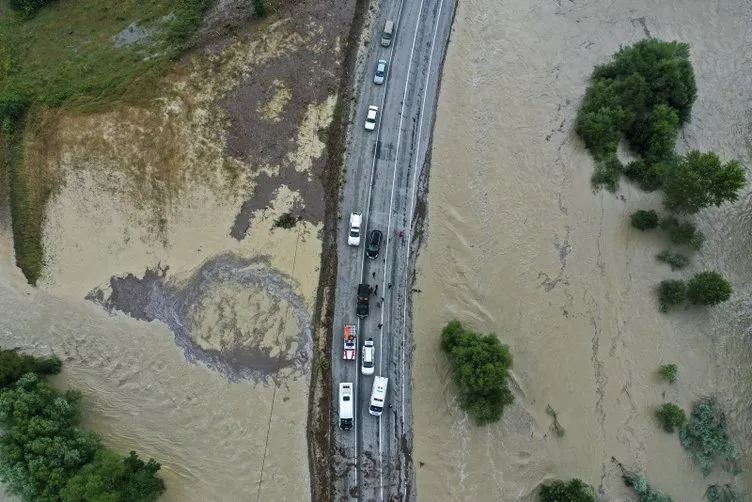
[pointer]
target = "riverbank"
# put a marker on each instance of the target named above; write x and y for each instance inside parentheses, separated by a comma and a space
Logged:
(518, 244)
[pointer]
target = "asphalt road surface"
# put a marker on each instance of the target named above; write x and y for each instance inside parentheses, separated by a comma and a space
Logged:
(383, 170)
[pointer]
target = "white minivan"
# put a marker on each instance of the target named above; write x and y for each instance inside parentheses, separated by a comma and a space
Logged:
(378, 395)
(346, 406)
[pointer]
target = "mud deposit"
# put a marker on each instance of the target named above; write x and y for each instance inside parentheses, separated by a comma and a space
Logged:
(518, 244)
(180, 309)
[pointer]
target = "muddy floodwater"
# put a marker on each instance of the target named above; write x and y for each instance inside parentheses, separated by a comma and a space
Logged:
(520, 245)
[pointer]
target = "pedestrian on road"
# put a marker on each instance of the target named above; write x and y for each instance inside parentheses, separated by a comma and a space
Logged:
(390, 406)
(376, 290)
(401, 234)
(380, 325)
(374, 274)
(382, 298)
(390, 286)
(378, 305)
(370, 290)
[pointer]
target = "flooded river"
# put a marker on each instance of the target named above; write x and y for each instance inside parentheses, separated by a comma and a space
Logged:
(520, 245)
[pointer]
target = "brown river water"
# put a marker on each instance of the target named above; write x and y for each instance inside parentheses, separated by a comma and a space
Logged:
(520, 245)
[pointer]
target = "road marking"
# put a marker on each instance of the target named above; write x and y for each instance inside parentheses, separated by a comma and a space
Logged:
(413, 190)
(389, 225)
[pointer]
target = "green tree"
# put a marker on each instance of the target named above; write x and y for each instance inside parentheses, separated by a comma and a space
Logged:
(644, 220)
(13, 365)
(668, 372)
(677, 261)
(661, 132)
(113, 478)
(645, 175)
(259, 7)
(706, 435)
(480, 365)
(671, 292)
(671, 416)
(28, 8)
(708, 288)
(575, 490)
(683, 232)
(699, 180)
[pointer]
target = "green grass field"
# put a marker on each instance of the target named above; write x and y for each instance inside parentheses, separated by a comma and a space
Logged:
(67, 55)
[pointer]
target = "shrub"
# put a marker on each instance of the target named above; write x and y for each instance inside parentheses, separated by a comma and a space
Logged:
(708, 288)
(645, 492)
(699, 180)
(668, 372)
(683, 232)
(645, 175)
(607, 174)
(259, 7)
(706, 435)
(27, 8)
(287, 220)
(575, 490)
(671, 416)
(644, 220)
(188, 16)
(671, 292)
(677, 260)
(717, 493)
(480, 366)
(13, 365)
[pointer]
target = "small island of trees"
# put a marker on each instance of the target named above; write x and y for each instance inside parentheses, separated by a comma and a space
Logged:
(45, 454)
(480, 369)
(643, 97)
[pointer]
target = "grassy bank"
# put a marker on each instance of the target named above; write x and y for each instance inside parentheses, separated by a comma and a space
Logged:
(82, 55)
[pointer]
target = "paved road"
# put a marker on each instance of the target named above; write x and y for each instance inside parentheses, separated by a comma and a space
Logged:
(383, 169)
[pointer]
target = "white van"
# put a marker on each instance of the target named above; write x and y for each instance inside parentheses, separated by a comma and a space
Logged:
(387, 34)
(378, 395)
(346, 406)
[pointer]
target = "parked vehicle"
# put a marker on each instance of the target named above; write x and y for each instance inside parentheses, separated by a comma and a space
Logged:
(378, 395)
(367, 357)
(346, 406)
(388, 34)
(351, 341)
(356, 220)
(373, 111)
(380, 74)
(374, 244)
(363, 296)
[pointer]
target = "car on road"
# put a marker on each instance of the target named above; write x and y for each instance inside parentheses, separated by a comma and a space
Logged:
(351, 341)
(367, 357)
(363, 295)
(356, 220)
(373, 111)
(387, 34)
(374, 244)
(380, 75)
(378, 395)
(346, 406)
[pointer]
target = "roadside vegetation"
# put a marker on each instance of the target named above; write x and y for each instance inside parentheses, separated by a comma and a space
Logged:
(575, 490)
(642, 98)
(82, 55)
(480, 370)
(45, 454)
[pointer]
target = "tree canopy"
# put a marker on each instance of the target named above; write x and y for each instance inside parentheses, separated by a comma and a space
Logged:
(480, 365)
(575, 490)
(708, 288)
(45, 454)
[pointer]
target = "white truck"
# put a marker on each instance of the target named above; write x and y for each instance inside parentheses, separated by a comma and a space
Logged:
(351, 341)
(378, 395)
(345, 406)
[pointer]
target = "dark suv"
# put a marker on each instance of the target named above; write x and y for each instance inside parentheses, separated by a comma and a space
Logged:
(374, 244)
(363, 294)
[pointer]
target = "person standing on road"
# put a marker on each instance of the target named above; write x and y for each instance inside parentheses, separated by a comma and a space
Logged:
(374, 274)
(376, 290)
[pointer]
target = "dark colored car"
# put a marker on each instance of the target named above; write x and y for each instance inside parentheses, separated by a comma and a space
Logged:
(363, 296)
(374, 244)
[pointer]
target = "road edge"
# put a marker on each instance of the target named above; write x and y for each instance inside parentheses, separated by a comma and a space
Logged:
(319, 426)
(421, 225)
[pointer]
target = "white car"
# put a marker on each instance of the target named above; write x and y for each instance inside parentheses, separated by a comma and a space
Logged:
(367, 356)
(380, 75)
(356, 220)
(373, 111)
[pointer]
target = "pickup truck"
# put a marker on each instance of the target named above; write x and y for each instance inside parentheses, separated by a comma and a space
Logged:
(363, 295)
(351, 341)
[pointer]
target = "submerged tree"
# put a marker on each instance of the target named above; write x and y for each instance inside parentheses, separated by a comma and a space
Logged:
(575, 490)
(708, 288)
(480, 366)
(706, 435)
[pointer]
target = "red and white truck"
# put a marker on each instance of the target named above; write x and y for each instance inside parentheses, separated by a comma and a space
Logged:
(351, 341)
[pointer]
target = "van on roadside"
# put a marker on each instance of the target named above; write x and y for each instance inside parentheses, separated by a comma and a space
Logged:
(387, 34)
(346, 406)
(378, 395)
